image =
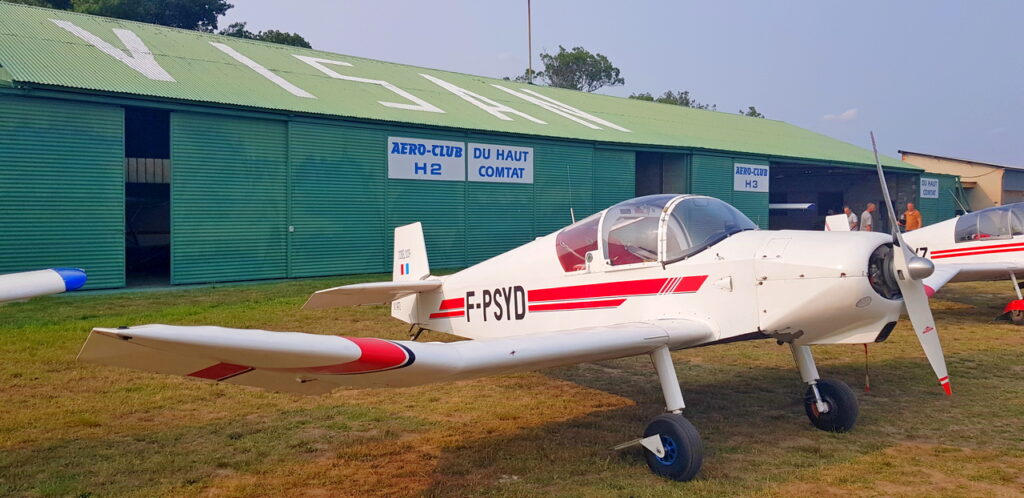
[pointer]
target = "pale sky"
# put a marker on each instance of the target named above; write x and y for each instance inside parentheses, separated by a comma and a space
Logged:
(940, 77)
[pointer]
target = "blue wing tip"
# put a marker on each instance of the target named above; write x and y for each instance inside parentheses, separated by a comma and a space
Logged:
(74, 278)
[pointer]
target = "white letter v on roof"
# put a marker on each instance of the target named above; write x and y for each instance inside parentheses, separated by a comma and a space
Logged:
(137, 57)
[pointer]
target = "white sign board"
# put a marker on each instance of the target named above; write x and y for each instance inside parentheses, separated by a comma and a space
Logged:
(929, 188)
(500, 163)
(750, 177)
(418, 159)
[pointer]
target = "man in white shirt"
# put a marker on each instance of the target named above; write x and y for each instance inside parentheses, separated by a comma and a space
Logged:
(850, 217)
(866, 219)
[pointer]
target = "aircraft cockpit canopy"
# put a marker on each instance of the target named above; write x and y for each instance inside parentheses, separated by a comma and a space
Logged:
(656, 228)
(996, 223)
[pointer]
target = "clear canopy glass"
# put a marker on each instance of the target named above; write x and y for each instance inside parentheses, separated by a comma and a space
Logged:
(1001, 222)
(657, 228)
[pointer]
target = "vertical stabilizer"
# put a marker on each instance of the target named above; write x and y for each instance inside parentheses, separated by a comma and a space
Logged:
(410, 254)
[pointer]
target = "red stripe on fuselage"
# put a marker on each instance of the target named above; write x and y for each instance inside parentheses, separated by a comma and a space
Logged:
(977, 248)
(582, 305)
(220, 371)
(614, 289)
(448, 314)
(975, 253)
(453, 303)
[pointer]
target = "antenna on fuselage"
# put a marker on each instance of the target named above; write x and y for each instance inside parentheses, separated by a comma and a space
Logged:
(568, 176)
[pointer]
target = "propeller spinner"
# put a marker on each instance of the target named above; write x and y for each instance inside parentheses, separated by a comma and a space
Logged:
(910, 270)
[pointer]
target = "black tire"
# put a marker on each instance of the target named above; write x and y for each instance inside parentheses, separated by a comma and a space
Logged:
(1017, 317)
(684, 451)
(842, 403)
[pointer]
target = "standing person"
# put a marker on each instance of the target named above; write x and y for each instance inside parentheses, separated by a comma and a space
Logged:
(851, 217)
(913, 217)
(867, 222)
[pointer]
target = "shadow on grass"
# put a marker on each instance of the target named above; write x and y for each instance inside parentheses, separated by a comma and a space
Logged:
(755, 432)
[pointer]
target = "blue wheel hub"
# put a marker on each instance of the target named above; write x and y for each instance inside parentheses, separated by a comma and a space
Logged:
(671, 451)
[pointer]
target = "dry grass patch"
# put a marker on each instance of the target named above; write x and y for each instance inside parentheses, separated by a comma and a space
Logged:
(68, 429)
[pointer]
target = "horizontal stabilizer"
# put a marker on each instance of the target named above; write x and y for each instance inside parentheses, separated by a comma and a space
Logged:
(369, 293)
(314, 364)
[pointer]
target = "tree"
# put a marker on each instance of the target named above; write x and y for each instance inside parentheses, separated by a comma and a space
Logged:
(238, 30)
(51, 4)
(676, 98)
(752, 112)
(200, 15)
(576, 69)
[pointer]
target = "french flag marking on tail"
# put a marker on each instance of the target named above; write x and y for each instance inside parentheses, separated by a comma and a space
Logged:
(403, 269)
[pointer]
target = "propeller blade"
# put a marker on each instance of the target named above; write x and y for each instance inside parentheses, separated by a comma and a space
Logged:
(916, 301)
(912, 287)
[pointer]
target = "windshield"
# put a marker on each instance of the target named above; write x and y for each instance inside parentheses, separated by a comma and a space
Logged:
(696, 223)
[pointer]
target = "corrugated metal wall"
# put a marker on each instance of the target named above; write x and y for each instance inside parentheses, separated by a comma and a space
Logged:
(712, 176)
(239, 183)
(336, 204)
(228, 198)
(62, 188)
(943, 208)
(614, 177)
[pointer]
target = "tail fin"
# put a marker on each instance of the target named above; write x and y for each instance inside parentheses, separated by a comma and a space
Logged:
(410, 254)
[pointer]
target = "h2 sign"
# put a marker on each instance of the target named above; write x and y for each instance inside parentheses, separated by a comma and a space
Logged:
(418, 159)
(750, 177)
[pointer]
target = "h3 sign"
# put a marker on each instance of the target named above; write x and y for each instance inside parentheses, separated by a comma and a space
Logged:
(750, 177)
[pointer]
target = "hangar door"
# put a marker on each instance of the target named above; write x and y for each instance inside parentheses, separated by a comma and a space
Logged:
(228, 198)
(61, 188)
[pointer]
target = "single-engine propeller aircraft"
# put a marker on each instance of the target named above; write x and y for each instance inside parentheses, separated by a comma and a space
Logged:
(643, 277)
(29, 284)
(982, 245)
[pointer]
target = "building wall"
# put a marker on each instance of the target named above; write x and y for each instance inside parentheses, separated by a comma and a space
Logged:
(263, 198)
(712, 175)
(62, 188)
(989, 179)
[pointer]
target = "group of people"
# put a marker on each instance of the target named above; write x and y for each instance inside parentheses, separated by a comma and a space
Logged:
(911, 219)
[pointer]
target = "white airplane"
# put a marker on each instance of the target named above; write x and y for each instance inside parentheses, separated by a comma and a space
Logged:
(983, 245)
(643, 277)
(29, 284)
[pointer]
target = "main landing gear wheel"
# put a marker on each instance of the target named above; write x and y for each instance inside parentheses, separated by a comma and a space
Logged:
(842, 406)
(684, 451)
(1017, 317)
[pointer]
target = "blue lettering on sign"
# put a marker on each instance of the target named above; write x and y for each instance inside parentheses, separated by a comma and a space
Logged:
(500, 172)
(748, 171)
(480, 153)
(750, 184)
(426, 169)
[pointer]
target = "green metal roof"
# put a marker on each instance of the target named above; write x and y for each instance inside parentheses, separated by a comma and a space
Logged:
(40, 48)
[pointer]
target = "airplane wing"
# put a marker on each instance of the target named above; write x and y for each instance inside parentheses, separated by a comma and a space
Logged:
(315, 364)
(968, 272)
(369, 293)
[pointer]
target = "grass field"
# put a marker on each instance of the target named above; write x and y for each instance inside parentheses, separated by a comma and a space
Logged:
(70, 429)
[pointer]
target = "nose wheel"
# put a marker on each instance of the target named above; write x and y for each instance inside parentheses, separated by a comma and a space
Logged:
(841, 409)
(682, 451)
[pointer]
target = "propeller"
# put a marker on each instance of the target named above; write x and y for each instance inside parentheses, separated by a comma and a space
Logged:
(910, 270)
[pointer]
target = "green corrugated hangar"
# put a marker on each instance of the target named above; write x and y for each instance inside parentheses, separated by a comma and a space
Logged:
(151, 154)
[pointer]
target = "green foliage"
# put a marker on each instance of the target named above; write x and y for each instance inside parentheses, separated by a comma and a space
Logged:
(200, 15)
(238, 30)
(676, 98)
(576, 69)
(752, 112)
(50, 4)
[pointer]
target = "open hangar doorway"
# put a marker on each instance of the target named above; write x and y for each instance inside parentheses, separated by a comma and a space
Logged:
(147, 196)
(829, 188)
